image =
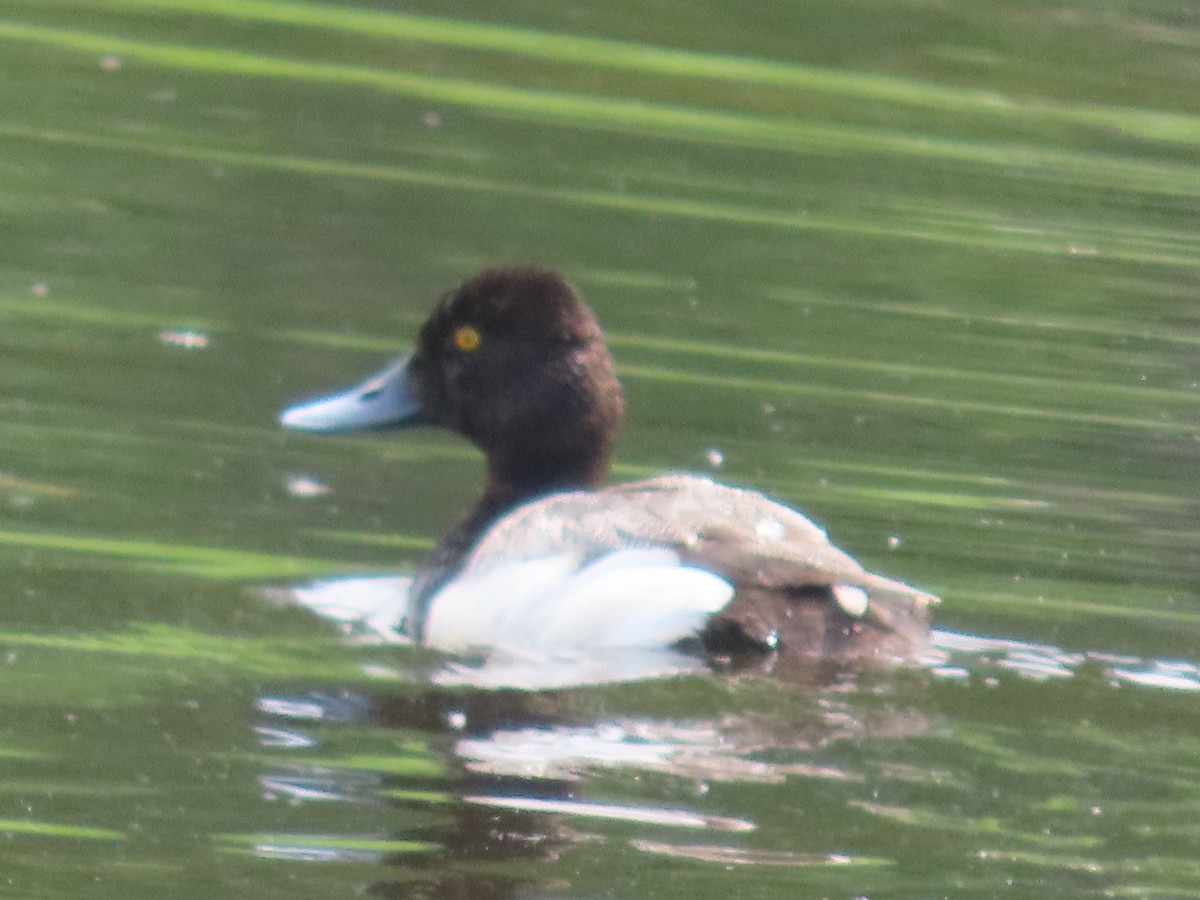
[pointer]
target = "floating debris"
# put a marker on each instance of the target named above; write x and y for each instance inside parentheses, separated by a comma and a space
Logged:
(188, 340)
(306, 486)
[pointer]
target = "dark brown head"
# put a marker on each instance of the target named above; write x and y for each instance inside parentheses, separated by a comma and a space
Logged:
(513, 360)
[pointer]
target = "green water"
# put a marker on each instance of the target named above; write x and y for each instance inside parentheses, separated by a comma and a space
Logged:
(927, 271)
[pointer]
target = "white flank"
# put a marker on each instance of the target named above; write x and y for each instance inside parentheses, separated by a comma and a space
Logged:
(626, 599)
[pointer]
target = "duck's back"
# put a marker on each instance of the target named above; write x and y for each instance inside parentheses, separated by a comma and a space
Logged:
(678, 511)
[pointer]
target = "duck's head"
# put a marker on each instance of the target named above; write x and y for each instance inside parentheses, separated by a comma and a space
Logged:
(513, 360)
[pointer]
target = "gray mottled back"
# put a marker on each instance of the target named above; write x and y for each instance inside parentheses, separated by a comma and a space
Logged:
(739, 533)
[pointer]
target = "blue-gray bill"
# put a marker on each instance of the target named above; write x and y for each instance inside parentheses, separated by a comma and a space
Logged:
(382, 401)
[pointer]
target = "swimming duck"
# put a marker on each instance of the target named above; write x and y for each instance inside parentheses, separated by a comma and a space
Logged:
(515, 361)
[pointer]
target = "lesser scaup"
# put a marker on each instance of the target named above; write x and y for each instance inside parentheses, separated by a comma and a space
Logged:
(515, 361)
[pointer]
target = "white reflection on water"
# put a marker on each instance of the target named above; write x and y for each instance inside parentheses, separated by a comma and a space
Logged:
(955, 655)
(368, 608)
(642, 815)
(282, 737)
(699, 750)
(745, 856)
(296, 789)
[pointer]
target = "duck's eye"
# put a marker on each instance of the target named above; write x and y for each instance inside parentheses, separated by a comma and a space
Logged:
(467, 339)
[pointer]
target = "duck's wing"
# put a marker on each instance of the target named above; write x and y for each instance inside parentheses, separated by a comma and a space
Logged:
(794, 590)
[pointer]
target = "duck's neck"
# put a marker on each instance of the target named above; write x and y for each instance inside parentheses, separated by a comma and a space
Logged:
(501, 495)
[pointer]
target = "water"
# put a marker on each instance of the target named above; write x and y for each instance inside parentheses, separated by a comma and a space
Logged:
(927, 273)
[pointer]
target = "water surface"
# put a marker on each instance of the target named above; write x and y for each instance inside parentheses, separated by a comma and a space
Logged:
(928, 273)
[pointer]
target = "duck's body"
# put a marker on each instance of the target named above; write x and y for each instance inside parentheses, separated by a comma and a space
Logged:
(515, 361)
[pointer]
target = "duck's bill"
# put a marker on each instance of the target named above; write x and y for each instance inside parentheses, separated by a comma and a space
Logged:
(382, 401)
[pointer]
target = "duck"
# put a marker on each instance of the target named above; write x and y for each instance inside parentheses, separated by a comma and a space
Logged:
(550, 558)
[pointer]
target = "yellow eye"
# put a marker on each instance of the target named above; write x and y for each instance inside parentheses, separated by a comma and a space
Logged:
(467, 339)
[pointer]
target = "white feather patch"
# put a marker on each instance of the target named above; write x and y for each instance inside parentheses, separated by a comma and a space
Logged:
(851, 598)
(625, 599)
